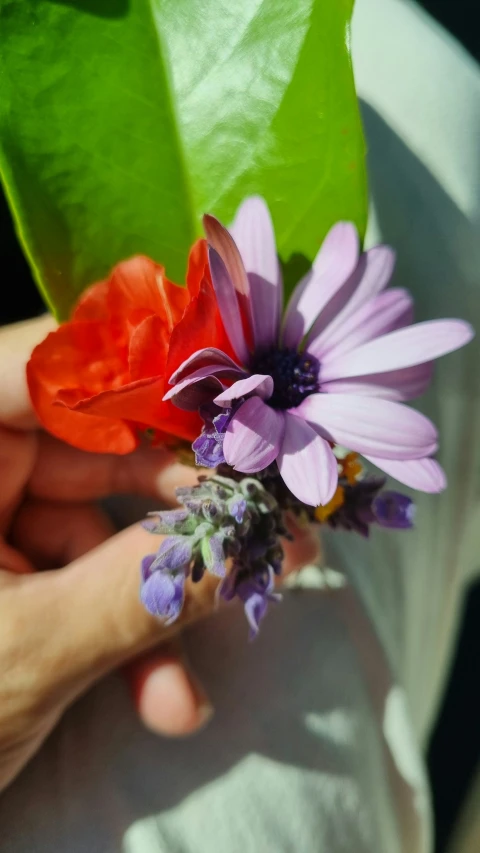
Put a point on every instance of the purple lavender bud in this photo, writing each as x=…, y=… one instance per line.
x=162, y=595
x=193, y=504
x=394, y=510
x=177, y=520
x=213, y=511
x=237, y=507
x=255, y=606
x=146, y=565
x=256, y=592
x=174, y=553
x=214, y=555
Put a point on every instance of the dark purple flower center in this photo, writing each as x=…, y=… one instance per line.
x=294, y=374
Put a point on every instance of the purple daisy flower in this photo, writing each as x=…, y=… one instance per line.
x=336, y=370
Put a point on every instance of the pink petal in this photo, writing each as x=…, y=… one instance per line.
x=203, y=358
x=228, y=304
x=199, y=387
x=370, y=425
x=426, y=475
x=385, y=312
x=259, y=383
x=397, y=385
x=373, y=273
x=333, y=265
x=253, y=233
x=253, y=436
x=379, y=264
x=403, y=348
x=306, y=463
x=333, y=307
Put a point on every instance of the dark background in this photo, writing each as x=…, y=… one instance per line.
x=455, y=745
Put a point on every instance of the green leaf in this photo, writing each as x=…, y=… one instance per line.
x=122, y=121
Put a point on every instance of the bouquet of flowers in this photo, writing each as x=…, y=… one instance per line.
x=277, y=393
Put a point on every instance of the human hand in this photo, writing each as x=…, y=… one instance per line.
x=61, y=630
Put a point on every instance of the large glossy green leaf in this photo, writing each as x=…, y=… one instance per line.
x=122, y=121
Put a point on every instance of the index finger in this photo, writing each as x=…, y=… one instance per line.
x=16, y=344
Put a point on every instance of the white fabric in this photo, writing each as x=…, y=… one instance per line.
x=317, y=738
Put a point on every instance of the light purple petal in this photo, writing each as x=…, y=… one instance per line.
x=162, y=595
x=199, y=387
x=385, y=312
x=371, y=276
x=377, y=272
x=175, y=552
x=253, y=233
x=253, y=436
x=228, y=304
x=259, y=383
x=403, y=348
x=266, y=309
x=333, y=307
x=397, y=385
x=371, y=425
x=209, y=356
x=255, y=607
x=306, y=463
x=426, y=475
x=333, y=265
x=146, y=565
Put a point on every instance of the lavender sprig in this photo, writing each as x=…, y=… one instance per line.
x=229, y=528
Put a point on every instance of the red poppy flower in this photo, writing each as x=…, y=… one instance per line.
x=98, y=381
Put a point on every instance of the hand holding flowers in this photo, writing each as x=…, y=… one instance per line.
x=63, y=628
x=281, y=400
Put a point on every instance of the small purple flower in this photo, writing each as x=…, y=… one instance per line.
x=174, y=553
x=237, y=507
x=168, y=520
x=208, y=447
x=213, y=552
x=256, y=592
x=336, y=370
x=394, y=510
x=163, y=577
x=233, y=532
x=365, y=504
x=162, y=594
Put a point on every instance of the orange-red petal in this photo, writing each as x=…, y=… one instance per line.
x=95, y=434
x=148, y=348
x=200, y=327
x=92, y=304
x=138, y=287
x=140, y=402
x=198, y=267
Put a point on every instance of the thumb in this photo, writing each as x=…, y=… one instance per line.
x=95, y=608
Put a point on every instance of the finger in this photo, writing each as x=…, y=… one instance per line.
x=52, y=534
x=12, y=560
x=167, y=696
x=98, y=619
x=17, y=459
x=16, y=344
x=63, y=473
x=95, y=609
